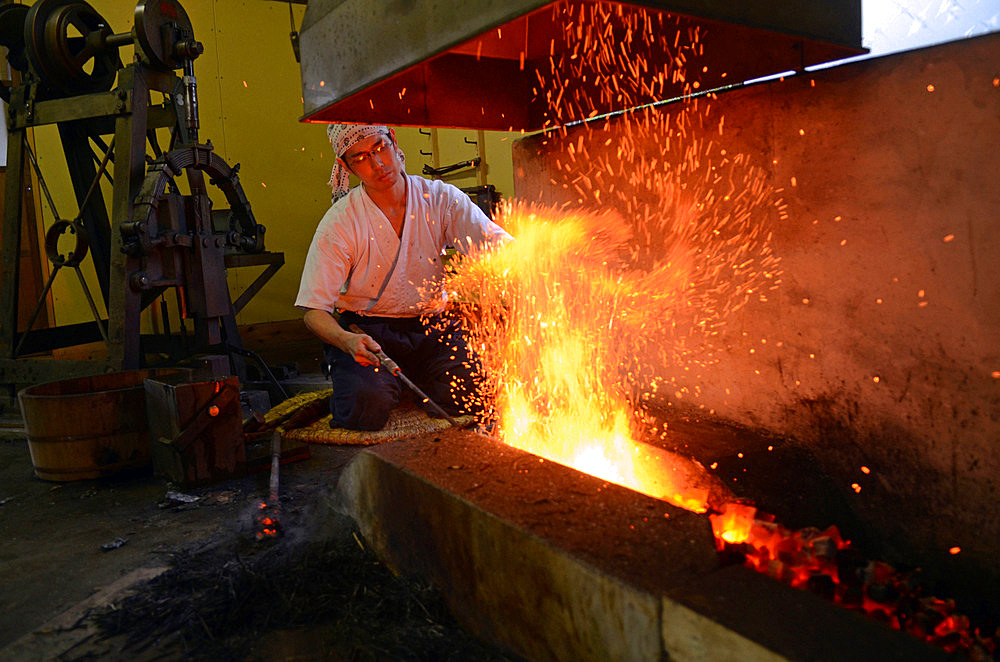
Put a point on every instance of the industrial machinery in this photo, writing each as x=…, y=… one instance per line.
x=160, y=240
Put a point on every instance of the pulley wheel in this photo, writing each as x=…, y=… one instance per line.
x=12, y=38
x=80, y=247
x=159, y=26
x=12, y=18
x=65, y=45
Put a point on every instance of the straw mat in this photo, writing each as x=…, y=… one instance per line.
x=305, y=417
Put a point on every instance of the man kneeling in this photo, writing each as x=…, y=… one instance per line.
x=374, y=262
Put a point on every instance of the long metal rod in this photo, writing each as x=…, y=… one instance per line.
x=41, y=180
x=90, y=300
x=393, y=368
x=242, y=351
x=34, y=313
x=275, y=463
x=97, y=178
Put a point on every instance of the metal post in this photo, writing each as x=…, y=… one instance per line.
x=125, y=304
x=11, y=239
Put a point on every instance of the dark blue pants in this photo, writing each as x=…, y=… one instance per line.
x=434, y=356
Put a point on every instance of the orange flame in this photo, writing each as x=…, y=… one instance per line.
x=734, y=523
x=550, y=313
x=591, y=309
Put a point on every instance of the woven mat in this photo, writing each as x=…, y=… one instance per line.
x=406, y=420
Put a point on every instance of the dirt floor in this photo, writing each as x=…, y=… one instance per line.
x=202, y=586
x=70, y=552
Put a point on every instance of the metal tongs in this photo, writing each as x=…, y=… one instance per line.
x=393, y=368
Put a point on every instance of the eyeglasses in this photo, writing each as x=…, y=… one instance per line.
x=360, y=158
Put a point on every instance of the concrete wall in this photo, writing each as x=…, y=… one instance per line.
x=881, y=346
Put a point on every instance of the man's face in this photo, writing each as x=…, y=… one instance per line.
x=374, y=161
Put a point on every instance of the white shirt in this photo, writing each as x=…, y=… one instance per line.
x=356, y=261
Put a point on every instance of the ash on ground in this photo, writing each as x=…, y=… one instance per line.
x=316, y=593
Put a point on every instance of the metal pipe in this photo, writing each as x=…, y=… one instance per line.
x=246, y=352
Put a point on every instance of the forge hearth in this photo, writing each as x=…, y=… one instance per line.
x=555, y=564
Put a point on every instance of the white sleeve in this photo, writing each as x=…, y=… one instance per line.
x=466, y=225
x=325, y=271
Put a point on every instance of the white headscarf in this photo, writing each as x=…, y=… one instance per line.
x=342, y=138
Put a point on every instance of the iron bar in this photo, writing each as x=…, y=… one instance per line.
x=101, y=170
x=38, y=309
x=41, y=180
x=90, y=301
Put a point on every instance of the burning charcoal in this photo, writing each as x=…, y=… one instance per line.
x=928, y=621
x=878, y=572
x=808, y=533
x=824, y=547
x=267, y=525
x=906, y=609
x=787, y=549
x=880, y=615
x=777, y=570
x=883, y=593
x=822, y=585
x=733, y=553
x=951, y=625
x=849, y=564
x=950, y=643
x=852, y=596
x=916, y=585
x=115, y=544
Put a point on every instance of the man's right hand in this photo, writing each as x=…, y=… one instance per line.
x=359, y=346
x=363, y=347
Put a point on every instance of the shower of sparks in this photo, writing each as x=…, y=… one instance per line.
x=619, y=295
x=556, y=318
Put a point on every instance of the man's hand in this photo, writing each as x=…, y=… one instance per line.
x=362, y=347
x=359, y=346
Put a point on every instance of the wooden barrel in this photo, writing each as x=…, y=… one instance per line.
x=88, y=427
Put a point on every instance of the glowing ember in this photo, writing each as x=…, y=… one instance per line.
x=825, y=564
x=266, y=523
x=733, y=523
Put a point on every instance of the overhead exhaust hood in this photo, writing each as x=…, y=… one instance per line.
x=455, y=63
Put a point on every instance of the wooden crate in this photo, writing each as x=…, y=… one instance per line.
x=196, y=430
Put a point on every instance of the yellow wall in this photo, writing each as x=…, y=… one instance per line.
x=250, y=103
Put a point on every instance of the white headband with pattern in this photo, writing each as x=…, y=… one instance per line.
x=342, y=138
